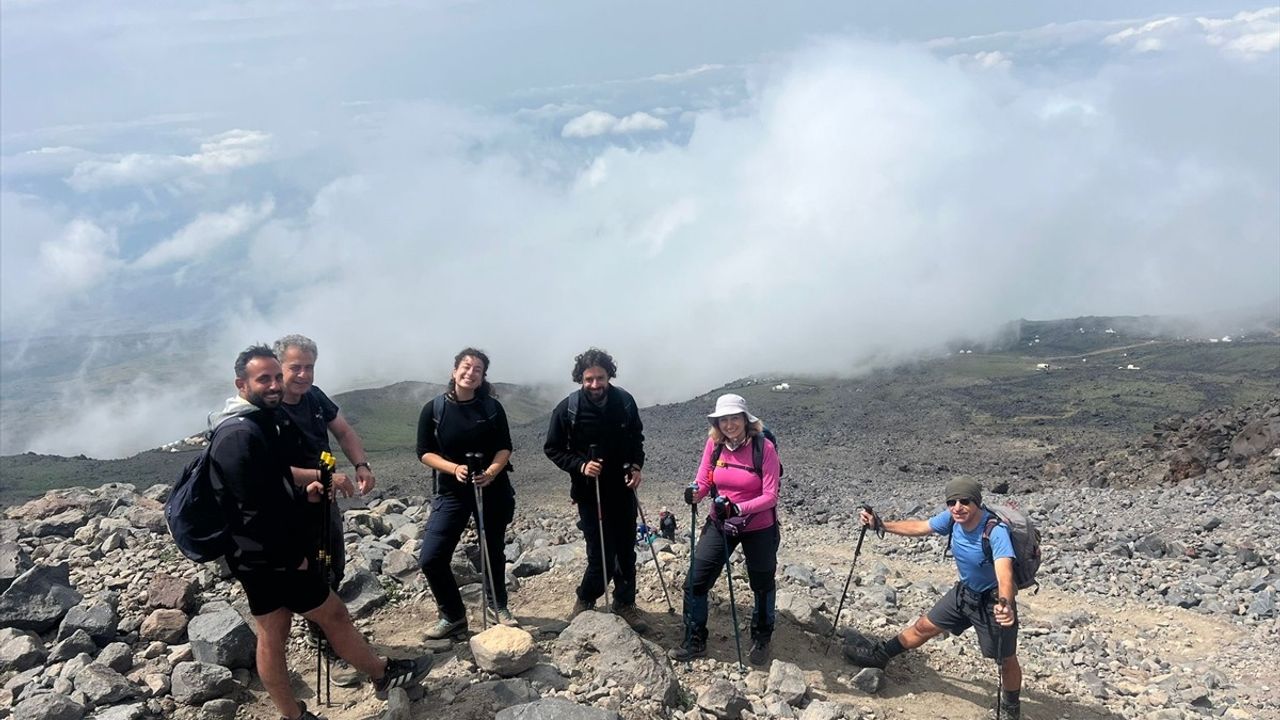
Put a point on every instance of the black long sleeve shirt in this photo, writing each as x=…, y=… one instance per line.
x=477, y=425
x=614, y=427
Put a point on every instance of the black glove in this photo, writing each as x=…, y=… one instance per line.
x=690, y=493
x=725, y=508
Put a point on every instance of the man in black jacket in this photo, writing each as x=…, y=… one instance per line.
x=249, y=472
x=605, y=417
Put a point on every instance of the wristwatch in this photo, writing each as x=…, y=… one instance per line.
x=363, y=465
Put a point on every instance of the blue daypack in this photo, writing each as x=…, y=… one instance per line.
x=195, y=515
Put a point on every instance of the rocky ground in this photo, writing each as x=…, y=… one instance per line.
x=1158, y=600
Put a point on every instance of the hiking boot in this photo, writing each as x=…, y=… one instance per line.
x=866, y=654
x=343, y=674
x=631, y=615
x=402, y=673
x=503, y=617
x=580, y=607
x=759, y=654
x=446, y=628
x=692, y=648
x=1008, y=710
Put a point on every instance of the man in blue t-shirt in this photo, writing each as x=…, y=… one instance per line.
x=982, y=599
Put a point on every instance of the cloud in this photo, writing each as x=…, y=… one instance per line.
x=1246, y=35
x=221, y=154
x=81, y=255
x=204, y=234
x=595, y=123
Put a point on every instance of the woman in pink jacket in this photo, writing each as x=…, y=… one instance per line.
x=739, y=471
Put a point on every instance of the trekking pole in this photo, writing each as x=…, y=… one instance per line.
x=671, y=609
x=999, y=659
x=328, y=464
x=728, y=567
x=835, y=623
x=593, y=453
x=693, y=534
x=486, y=581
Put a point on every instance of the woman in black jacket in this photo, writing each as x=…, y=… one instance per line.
x=467, y=419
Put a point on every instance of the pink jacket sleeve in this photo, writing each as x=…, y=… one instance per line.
x=769, y=484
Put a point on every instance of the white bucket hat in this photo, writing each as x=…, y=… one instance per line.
x=731, y=404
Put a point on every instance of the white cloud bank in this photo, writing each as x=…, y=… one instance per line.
x=596, y=122
x=218, y=155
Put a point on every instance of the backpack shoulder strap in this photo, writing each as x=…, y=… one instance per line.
x=574, y=400
x=437, y=412
x=991, y=523
x=757, y=453
x=951, y=530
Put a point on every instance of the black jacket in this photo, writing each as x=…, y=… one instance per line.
x=618, y=434
x=249, y=471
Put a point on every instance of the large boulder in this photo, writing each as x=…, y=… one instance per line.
x=22, y=653
x=503, y=650
x=787, y=681
x=167, y=591
x=1257, y=438
x=102, y=685
x=723, y=699
x=610, y=648
x=555, y=709
x=222, y=637
x=809, y=613
x=38, y=598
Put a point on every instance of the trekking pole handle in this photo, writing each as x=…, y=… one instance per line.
x=593, y=452
x=473, y=459
x=328, y=464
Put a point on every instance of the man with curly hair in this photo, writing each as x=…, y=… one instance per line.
x=597, y=438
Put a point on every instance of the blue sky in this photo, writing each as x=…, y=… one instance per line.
x=867, y=180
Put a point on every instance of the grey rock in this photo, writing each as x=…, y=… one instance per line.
x=503, y=693
x=97, y=618
x=48, y=706
x=399, y=564
x=555, y=709
x=786, y=680
x=801, y=574
x=104, y=686
x=722, y=699
x=222, y=638
x=1152, y=546
x=398, y=706
x=224, y=709
x=64, y=524
x=808, y=612
x=38, y=598
x=194, y=683
x=1264, y=604
x=532, y=562
x=362, y=593
x=13, y=562
x=118, y=656
x=545, y=675
x=79, y=642
x=772, y=706
x=608, y=647
x=22, y=653
x=869, y=680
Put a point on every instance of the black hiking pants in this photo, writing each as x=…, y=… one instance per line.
x=450, y=514
x=619, y=550
x=760, y=549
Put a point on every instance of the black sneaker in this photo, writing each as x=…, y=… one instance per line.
x=866, y=654
x=306, y=714
x=759, y=654
x=402, y=673
x=693, y=648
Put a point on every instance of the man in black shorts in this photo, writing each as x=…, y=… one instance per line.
x=249, y=473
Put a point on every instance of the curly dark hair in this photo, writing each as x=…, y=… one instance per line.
x=470, y=352
x=594, y=357
x=248, y=354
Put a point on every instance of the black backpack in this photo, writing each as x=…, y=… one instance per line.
x=576, y=398
x=757, y=452
x=195, y=515
x=437, y=412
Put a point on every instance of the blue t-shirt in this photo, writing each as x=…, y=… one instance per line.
x=966, y=545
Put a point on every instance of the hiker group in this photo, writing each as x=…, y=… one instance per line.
x=270, y=480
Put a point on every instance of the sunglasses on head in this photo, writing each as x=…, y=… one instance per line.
x=963, y=501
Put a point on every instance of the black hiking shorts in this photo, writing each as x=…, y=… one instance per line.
x=300, y=591
x=962, y=608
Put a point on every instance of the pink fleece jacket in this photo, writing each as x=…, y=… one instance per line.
x=734, y=478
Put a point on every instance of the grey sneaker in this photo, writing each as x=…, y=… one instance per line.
x=694, y=647
x=343, y=674
x=402, y=673
x=446, y=628
x=504, y=617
